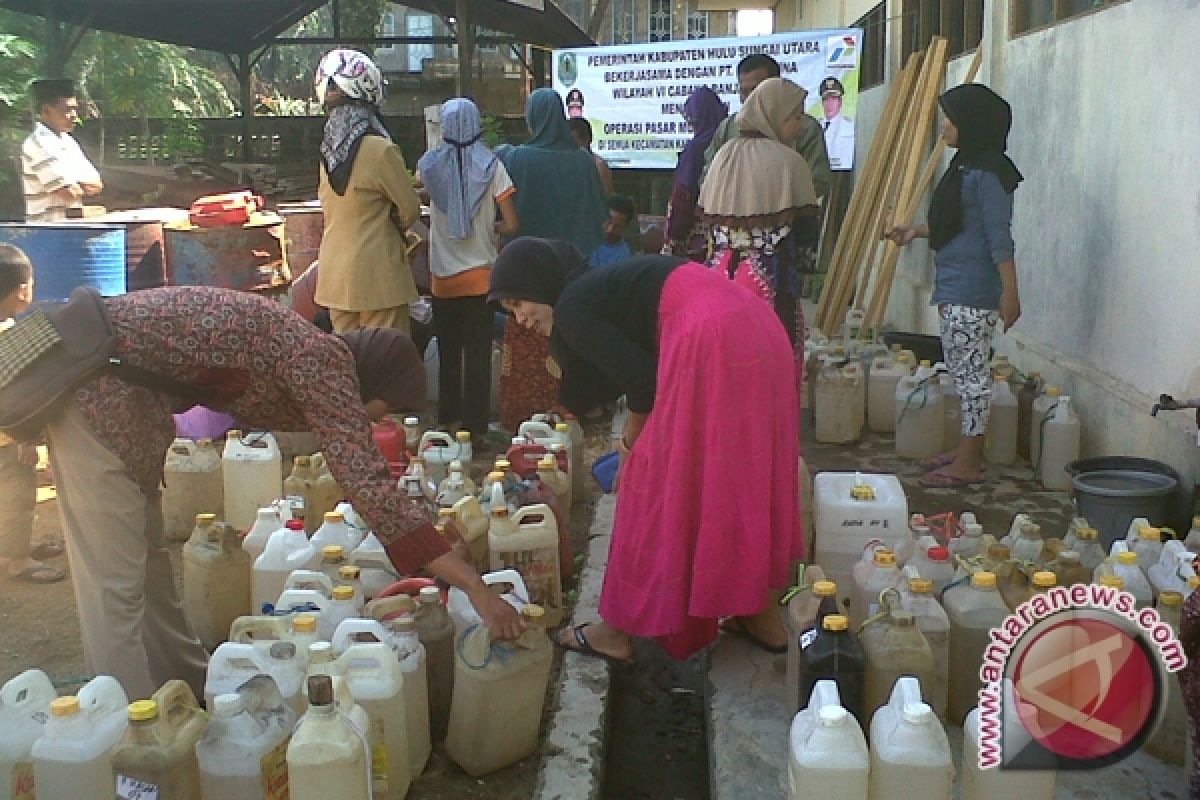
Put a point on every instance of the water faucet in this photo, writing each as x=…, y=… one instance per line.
x=1168, y=403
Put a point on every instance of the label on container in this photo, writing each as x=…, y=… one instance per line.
x=133, y=789
x=379, y=756
x=22, y=781
x=275, y=774
x=807, y=638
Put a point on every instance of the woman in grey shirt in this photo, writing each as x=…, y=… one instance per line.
x=970, y=231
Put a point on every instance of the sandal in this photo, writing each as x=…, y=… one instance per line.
x=47, y=550
x=38, y=573
x=583, y=646
x=939, y=479
x=938, y=461
x=735, y=627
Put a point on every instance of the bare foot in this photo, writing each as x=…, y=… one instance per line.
x=601, y=637
x=766, y=627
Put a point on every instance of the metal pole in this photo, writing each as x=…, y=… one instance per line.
x=243, y=76
x=466, y=47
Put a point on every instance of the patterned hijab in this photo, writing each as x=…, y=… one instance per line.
x=362, y=83
x=458, y=172
x=756, y=179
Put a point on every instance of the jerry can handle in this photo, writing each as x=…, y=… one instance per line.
x=176, y=703
x=539, y=511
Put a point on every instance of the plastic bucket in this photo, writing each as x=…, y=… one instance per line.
x=1179, y=515
x=1111, y=498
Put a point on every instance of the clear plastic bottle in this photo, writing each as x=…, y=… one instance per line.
x=1029, y=545
x=829, y=759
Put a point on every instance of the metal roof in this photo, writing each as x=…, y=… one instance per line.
x=241, y=26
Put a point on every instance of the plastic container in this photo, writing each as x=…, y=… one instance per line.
x=951, y=413
x=850, y=510
x=435, y=629
x=934, y=625
x=989, y=784
x=805, y=611
x=1127, y=569
x=438, y=449
x=1030, y=390
x=528, y=542
x=912, y=759
x=835, y=655
x=973, y=610
x=1148, y=544
x=1060, y=445
x=342, y=606
x=1091, y=552
x=299, y=629
x=302, y=483
x=558, y=481
x=310, y=579
x=1169, y=740
x=243, y=755
x=287, y=550
x=840, y=404
x=251, y=475
x=499, y=690
x=507, y=582
x=918, y=411
x=894, y=646
x=474, y=525
x=24, y=706
x=157, y=757
x=216, y=580
x=1000, y=442
x=377, y=570
x=73, y=757
x=376, y=681
x=192, y=485
x=883, y=574
x=234, y=663
x=327, y=756
x=306, y=601
x=1028, y=544
x=934, y=563
x=1042, y=406
x=390, y=439
x=886, y=372
x=1069, y=570
x=414, y=663
x=266, y=522
x=452, y=489
x=967, y=545
x=831, y=761
x=1175, y=566
x=334, y=531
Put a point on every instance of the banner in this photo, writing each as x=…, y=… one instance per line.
x=633, y=95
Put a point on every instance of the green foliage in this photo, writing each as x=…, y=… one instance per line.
x=127, y=77
x=493, y=134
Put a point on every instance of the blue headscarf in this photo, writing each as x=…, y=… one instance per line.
x=458, y=172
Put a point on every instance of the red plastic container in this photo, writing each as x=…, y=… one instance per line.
x=231, y=208
x=524, y=459
x=389, y=438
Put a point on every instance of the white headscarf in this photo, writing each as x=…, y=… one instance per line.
x=459, y=171
x=353, y=72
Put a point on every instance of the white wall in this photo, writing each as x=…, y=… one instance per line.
x=798, y=15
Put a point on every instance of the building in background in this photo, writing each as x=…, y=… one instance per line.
x=639, y=21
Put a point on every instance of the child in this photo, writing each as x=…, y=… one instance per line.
x=18, y=479
x=970, y=231
x=620, y=213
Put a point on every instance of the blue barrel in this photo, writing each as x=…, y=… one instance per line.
x=70, y=255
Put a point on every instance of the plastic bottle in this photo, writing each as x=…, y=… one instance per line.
x=158, y=754
x=894, y=646
x=301, y=483
x=1174, y=567
x=242, y=756
x=474, y=524
x=24, y=707
x=969, y=544
x=558, y=481
x=251, y=476
x=1127, y=569
x=1030, y=390
x=499, y=690
x=435, y=629
x=1000, y=444
x=335, y=531
x=839, y=404
x=884, y=574
x=836, y=655
x=191, y=485
x=1069, y=570
x=1069, y=538
x=832, y=761
x=452, y=489
x=989, y=784
x=905, y=546
x=414, y=662
x=1148, y=545
x=437, y=449
x=73, y=757
x=912, y=759
x=311, y=580
x=1091, y=552
x=288, y=549
x=1169, y=740
x=919, y=422
x=376, y=682
x=1041, y=407
x=934, y=563
x=528, y=542
x=886, y=372
x=342, y=607
x=216, y=580
x=327, y=756
x=377, y=570
x=805, y=612
x=1060, y=445
x=934, y=625
x=1029, y=545
x=973, y=610
x=266, y=522
x=234, y=663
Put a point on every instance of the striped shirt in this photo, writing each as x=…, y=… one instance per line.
x=51, y=161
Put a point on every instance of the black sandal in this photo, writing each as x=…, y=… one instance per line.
x=585, y=647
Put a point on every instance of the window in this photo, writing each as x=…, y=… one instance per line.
x=578, y=10
x=418, y=25
x=1029, y=14
x=960, y=21
x=697, y=24
x=660, y=20
x=387, y=27
x=622, y=22
x=874, y=44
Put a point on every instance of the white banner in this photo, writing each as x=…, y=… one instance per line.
x=633, y=95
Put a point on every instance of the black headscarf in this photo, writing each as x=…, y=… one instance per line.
x=535, y=269
x=983, y=119
x=388, y=366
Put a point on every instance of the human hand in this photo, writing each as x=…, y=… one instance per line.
x=901, y=234
x=27, y=455
x=1010, y=309
x=501, y=619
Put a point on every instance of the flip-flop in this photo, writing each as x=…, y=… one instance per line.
x=736, y=627
x=937, y=479
x=938, y=461
x=38, y=573
x=582, y=645
x=47, y=550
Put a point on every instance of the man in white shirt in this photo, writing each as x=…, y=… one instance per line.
x=839, y=129
x=55, y=172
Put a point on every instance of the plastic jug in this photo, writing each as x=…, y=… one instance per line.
x=435, y=629
x=327, y=756
x=287, y=550
x=1091, y=552
x=913, y=758
x=438, y=449
x=918, y=410
x=850, y=510
x=894, y=646
x=251, y=475
x=1000, y=442
x=266, y=522
x=414, y=663
x=157, y=757
x=528, y=542
x=1028, y=544
x=243, y=753
x=840, y=405
x=973, y=609
x=310, y=579
x=558, y=481
x=1148, y=544
x=988, y=784
x=234, y=663
x=24, y=707
x=452, y=489
x=1069, y=570
x=342, y=606
x=377, y=570
x=886, y=372
x=306, y=601
x=1169, y=740
x=333, y=558
x=376, y=681
x=951, y=413
x=884, y=574
x=73, y=757
x=507, y=582
x=806, y=609
x=1073, y=527
x=934, y=625
x=299, y=629
x=835, y=655
x=1030, y=390
x=474, y=525
x=1060, y=445
x=832, y=761
x=335, y=531
x=191, y=485
x=216, y=580
x=1041, y=407
x=934, y=563
x=1174, y=567
x=499, y=690
x=302, y=483
x=905, y=691
x=1127, y=569
x=967, y=545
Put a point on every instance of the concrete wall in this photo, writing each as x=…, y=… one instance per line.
x=1107, y=221
x=799, y=15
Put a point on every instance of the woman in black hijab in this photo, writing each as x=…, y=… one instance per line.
x=970, y=231
x=707, y=519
